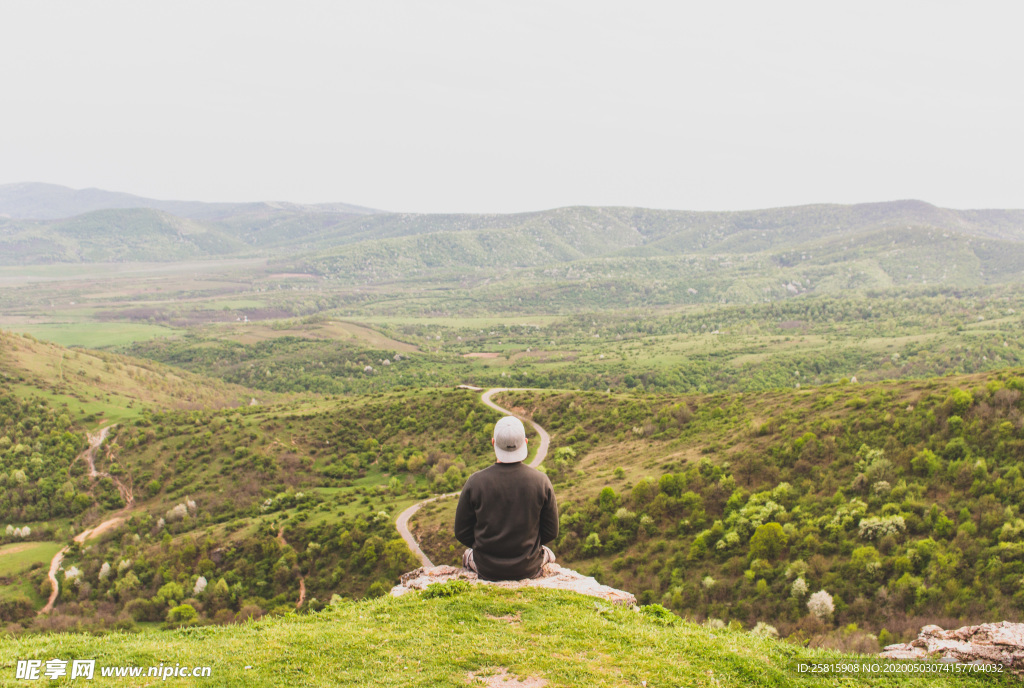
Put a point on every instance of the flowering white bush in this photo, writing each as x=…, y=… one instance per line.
x=760, y=508
x=799, y=588
x=731, y=539
x=821, y=605
x=9, y=530
x=124, y=565
x=200, y=585
x=179, y=512
x=876, y=528
x=160, y=523
x=765, y=629
x=104, y=570
x=73, y=574
x=798, y=568
x=844, y=517
x=881, y=488
x=708, y=582
x=624, y=517
x=647, y=524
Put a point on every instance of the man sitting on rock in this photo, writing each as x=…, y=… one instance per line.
x=507, y=512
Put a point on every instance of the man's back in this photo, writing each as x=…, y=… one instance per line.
x=506, y=513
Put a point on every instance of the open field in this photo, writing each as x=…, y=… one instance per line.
x=19, y=557
x=92, y=335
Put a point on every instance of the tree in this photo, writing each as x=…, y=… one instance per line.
x=768, y=541
x=182, y=614
x=592, y=545
x=171, y=592
x=821, y=605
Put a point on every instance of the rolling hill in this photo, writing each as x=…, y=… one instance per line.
x=37, y=201
x=896, y=242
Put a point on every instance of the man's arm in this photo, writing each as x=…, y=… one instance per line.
x=549, y=518
x=465, y=518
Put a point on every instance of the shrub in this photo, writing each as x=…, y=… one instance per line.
x=447, y=589
x=182, y=614
x=768, y=541
x=821, y=605
x=379, y=589
x=659, y=614
x=876, y=528
x=926, y=463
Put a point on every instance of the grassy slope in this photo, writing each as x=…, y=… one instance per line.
x=567, y=639
x=17, y=557
x=107, y=385
x=17, y=560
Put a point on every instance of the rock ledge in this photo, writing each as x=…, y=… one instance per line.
x=554, y=577
x=999, y=643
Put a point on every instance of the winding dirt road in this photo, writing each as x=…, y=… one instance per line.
x=302, y=579
x=89, y=456
x=402, y=523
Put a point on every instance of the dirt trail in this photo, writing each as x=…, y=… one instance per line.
x=302, y=579
x=89, y=456
x=402, y=523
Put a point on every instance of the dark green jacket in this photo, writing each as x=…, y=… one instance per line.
x=505, y=513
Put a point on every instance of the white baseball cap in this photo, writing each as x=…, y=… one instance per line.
x=509, y=440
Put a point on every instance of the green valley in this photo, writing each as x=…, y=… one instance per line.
x=747, y=409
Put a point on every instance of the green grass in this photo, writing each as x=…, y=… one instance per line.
x=19, y=556
x=21, y=589
x=561, y=637
x=95, y=335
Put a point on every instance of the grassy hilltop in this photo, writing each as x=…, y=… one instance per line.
x=554, y=638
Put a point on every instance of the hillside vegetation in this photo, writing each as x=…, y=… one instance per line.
x=756, y=347
x=904, y=242
x=249, y=501
x=900, y=500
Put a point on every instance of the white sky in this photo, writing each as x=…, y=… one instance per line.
x=484, y=106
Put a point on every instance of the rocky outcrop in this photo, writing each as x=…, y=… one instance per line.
x=1000, y=643
x=554, y=576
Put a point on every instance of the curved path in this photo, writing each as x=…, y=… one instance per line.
x=89, y=456
x=403, y=518
x=302, y=579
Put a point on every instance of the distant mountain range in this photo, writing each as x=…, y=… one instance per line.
x=43, y=223
x=37, y=201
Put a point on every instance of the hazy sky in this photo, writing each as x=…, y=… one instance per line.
x=502, y=106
